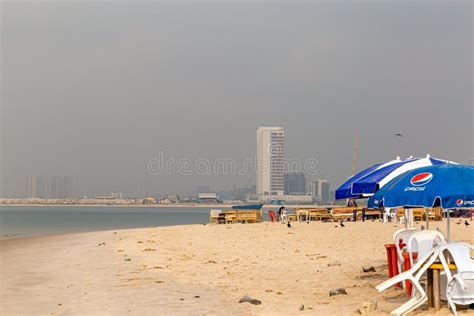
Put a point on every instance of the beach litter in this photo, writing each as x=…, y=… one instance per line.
x=248, y=299
x=301, y=307
x=369, y=269
x=367, y=308
x=127, y=259
x=337, y=292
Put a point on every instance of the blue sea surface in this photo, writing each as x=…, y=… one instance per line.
x=17, y=221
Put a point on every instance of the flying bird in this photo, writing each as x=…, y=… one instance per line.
x=398, y=135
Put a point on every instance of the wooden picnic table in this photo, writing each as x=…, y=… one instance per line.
x=310, y=213
x=433, y=287
x=302, y=213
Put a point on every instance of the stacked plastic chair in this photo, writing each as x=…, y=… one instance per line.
x=460, y=286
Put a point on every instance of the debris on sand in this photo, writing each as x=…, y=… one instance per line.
x=367, y=308
x=149, y=249
x=368, y=269
x=338, y=292
x=127, y=259
x=301, y=307
x=248, y=299
x=334, y=264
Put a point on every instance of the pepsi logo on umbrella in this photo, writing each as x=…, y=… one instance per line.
x=467, y=203
x=421, y=179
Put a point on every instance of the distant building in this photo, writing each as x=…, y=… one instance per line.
x=33, y=187
x=116, y=195
x=286, y=199
x=203, y=189
x=295, y=183
x=49, y=187
x=319, y=190
x=207, y=195
x=60, y=187
x=236, y=193
x=270, y=154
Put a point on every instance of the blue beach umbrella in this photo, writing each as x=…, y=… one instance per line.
x=448, y=186
x=368, y=181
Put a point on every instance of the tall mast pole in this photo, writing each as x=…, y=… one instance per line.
x=356, y=152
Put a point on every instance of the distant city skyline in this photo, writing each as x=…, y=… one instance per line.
x=49, y=187
x=98, y=101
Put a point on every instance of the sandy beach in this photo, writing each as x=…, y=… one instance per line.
x=203, y=270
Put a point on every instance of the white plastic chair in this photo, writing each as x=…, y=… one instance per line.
x=419, y=295
x=402, y=234
x=460, y=286
x=423, y=241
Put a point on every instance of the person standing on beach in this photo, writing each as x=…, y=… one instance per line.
x=282, y=215
x=351, y=203
x=279, y=213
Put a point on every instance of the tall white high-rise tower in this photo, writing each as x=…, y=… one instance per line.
x=270, y=153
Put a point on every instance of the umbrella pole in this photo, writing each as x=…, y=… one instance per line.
x=405, y=211
x=449, y=226
x=427, y=219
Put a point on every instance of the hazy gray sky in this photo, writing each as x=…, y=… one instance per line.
x=96, y=89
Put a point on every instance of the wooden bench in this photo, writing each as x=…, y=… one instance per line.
x=341, y=213
x=312, y=214
x=400, y=213
x=246, y=216
x=230, y=216
x=434, y=214
x=319, y=214
x=418, y=214
x=372, y=213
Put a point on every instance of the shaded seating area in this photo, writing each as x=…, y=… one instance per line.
x=420, y=214
x=309, y=214
x=345, y=213
x=238, y=214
